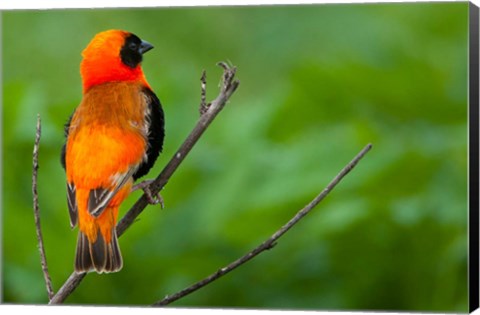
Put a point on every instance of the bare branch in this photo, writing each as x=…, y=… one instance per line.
x=67, y=288
x=228, y=87
x=36, y=210
x=270, y=242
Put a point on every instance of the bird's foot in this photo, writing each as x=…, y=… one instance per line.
x=152, y=199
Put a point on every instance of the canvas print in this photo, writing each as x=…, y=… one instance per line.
x=300, y=157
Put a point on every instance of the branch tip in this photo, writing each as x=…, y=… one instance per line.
x=203, y=96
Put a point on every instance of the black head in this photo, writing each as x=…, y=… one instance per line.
x=133, y=50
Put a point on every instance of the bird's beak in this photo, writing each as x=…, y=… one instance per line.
x=144, y=47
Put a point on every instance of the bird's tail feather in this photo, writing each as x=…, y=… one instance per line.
x=99, y=255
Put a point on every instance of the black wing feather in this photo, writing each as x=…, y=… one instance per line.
x=64, y=147
x=72, y=204
x=156, y=133
x=99, y=198
x=72, y=201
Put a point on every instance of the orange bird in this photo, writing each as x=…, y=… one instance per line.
x=113, y=138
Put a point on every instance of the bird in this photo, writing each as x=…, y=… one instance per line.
x=113, y=138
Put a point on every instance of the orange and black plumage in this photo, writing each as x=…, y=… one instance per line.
x=113, y=138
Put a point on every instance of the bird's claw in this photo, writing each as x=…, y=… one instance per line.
x=152, y=199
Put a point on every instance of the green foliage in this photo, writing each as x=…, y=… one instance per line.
x=317, y=84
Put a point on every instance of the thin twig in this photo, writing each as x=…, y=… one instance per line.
x=36, y=210
x=227, y=89
x=270, y=242
x=203, y=95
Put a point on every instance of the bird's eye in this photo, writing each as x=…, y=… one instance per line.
x=133, y=46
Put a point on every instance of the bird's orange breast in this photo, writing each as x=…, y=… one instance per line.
x=107, y=134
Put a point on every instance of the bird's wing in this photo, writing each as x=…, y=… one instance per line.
x=99, y=198
x=155, y=132
x=72, y=201
x=72, y=204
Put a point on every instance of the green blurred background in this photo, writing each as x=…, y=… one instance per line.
x=318, y=83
